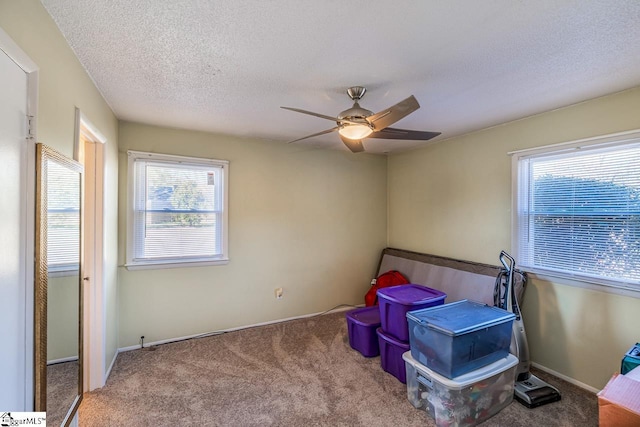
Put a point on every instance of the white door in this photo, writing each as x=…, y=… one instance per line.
x=14, y=242
x=95, y=334
x=89, y=151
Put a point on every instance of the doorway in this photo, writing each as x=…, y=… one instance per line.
x=89, y=150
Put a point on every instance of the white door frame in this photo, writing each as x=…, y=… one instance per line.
x=88, y=140
x=12, y=50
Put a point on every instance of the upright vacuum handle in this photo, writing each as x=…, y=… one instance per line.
x=503, y=259
x=510, y=304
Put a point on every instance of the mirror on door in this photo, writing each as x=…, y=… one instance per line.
x=58, y=292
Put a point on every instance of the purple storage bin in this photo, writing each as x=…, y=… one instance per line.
x=362, y=324
x=391, y=351
x=396, y=301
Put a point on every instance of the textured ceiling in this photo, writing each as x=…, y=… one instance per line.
x=227, y=66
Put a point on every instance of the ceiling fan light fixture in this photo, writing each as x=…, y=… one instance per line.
x=357, y=123
x=355, y=131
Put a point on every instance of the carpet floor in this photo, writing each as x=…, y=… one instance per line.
x=297, y=373
x=62, y=390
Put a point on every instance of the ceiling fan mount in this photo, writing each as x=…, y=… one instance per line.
x=355, y=113
x=357, y=123
x=356, y=92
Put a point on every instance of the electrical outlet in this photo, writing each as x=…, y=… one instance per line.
x=279, y=293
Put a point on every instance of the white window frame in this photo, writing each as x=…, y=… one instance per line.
x=131, y=263
x=600, y=284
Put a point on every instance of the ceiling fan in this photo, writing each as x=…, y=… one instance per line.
x=357, y=123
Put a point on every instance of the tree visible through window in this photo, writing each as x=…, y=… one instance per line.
x=178, y=209
x=579, y=212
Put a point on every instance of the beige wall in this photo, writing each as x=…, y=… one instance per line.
x=453, y=198
x=63, y=86
x=62, y=315
x=310, y=221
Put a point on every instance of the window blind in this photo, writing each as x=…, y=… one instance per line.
x=578, y=212
x=63, y=219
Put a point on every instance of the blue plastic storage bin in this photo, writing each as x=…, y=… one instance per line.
x=457, y=338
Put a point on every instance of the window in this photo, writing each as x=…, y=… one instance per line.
x=577, y=210
x=177, y=211
x=63, y=220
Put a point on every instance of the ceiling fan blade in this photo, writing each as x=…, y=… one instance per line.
x=315, y=134
x=394, y=133
x=311, y=113
x=394, y=113
x=353, y=144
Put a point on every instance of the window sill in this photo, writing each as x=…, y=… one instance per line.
x=615, y=288
x=173, y=264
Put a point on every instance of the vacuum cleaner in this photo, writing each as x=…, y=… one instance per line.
x=530, y=390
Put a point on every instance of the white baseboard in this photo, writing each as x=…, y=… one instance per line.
x=62, y=360
x=113, y=362
x=205, y=334
x=566, y=378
